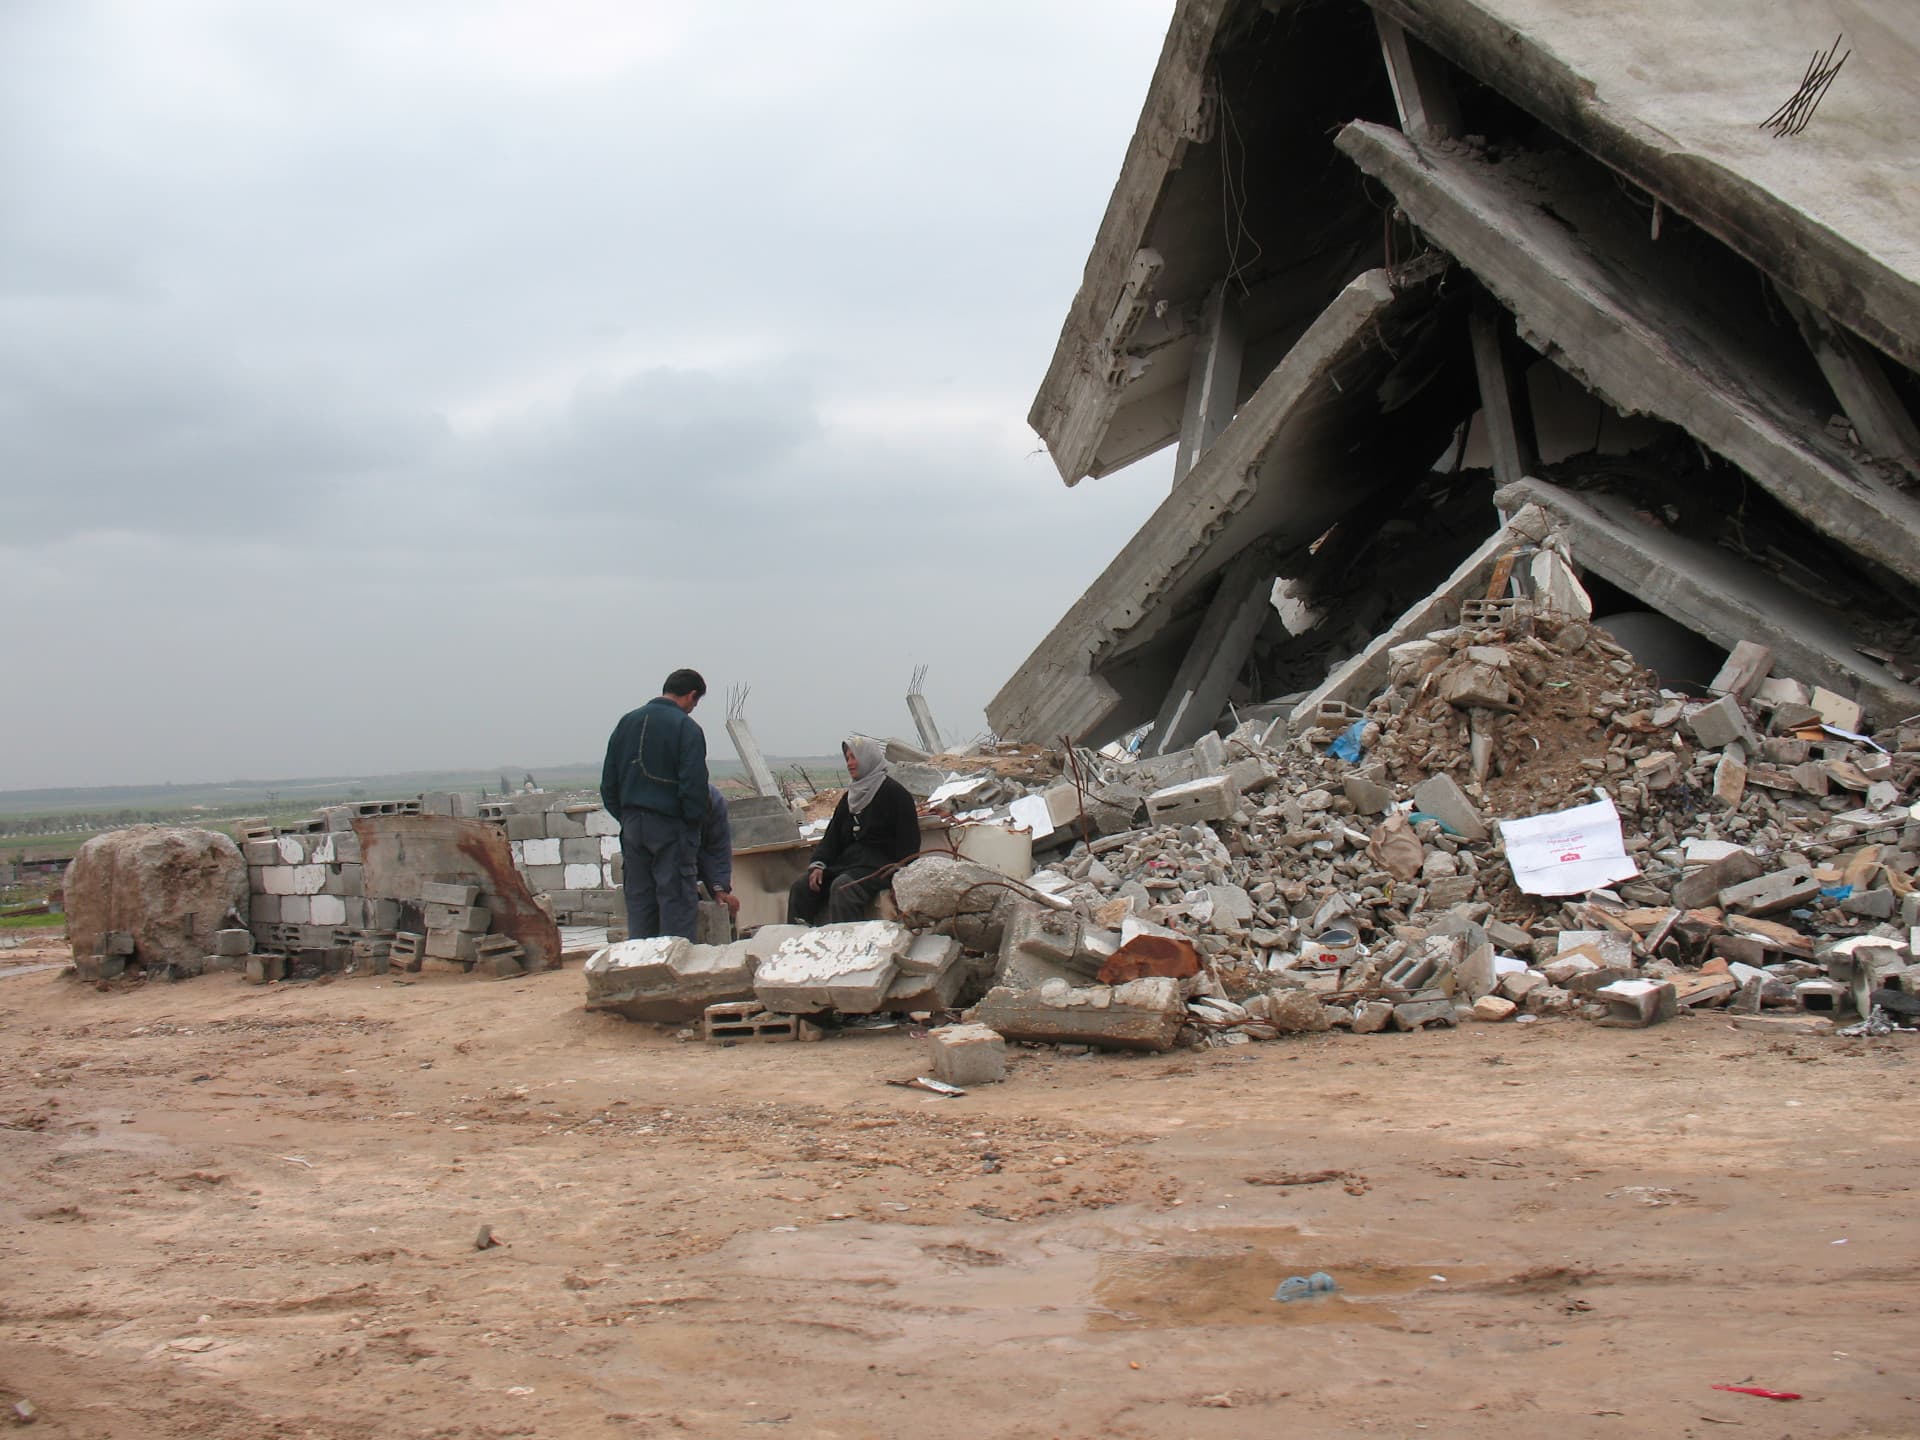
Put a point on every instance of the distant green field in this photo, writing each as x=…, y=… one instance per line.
x=65, y=818
x=31, y=922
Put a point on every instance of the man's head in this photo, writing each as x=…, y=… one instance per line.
x=684, y=688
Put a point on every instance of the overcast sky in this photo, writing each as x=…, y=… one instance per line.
x=413, y=384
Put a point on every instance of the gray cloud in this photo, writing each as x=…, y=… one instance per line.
x=434, y=376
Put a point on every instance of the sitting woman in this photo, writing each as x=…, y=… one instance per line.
x=874, y=827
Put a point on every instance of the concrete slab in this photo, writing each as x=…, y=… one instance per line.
x=848, y=968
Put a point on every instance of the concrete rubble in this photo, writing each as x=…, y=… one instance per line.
x=1352, y=875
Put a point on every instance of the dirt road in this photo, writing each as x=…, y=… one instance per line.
x=242, y=1212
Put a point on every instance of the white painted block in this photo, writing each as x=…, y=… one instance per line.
x=309, y=879
x=599, y=822
x=609, y=845
x=542, y=852
x=323, y=854
x=293, y=850
x=518, y=850
x=327, y=910
x=277, y=879
x=613, y=884
x=582, y=877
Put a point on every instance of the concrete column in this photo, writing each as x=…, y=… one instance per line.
x=923, y=722
x=748, y=749
x=1853, y=371
x=1422, y=92
x=1213, y=381
x=1217, y=655
x=1503, y=396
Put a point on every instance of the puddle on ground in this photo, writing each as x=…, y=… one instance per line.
x=1227, y=1277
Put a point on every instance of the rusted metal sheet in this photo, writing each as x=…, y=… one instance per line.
x=401, y=853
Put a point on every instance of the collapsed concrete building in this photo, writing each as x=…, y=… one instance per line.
x=1385, y=273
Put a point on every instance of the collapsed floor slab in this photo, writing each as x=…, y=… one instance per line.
x=1633, y=336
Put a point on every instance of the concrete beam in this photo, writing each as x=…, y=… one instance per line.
x=1718, y=595
x=748, y=749
x=1213, y=379
x=1643, y=352
x=1218, y=653
x=1213, y=510
x=1860, y=384
x=1360, y=678
x=1504, y=406
x=1422, y=90
x=923, y=722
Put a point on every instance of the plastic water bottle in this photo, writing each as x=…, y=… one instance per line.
x=1302, y=1287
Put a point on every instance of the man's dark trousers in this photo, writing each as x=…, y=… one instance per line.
x=657, y=854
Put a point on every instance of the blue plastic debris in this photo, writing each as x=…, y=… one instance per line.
x=1303, y=1287
x=1347, y=746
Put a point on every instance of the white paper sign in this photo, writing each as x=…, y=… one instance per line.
x=1568, y=852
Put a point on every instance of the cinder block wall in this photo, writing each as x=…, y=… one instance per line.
x=567, y=850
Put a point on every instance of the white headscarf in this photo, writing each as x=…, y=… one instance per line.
x=872, y=760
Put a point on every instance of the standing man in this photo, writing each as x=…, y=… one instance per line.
x=654, y=783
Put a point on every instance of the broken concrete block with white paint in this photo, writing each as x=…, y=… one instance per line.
x=543, y=852
x=847, y=967
x=1835, y=709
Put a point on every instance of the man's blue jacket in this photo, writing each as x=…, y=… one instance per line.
x=656, y=760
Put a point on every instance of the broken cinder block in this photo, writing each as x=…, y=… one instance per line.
x=967, y=1055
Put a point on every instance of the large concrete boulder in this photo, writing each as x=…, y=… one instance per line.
x=169, y=888
x=960, y=897
x=669, y=981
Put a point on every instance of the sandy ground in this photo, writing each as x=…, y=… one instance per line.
x=242, y=1212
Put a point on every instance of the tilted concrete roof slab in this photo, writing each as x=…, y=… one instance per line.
x=1642, y=349
x=1280, y=474
x=1671, y=94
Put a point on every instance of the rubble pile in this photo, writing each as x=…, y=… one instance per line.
x=1357, y=875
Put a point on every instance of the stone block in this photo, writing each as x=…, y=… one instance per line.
x=967, y=1055
x=582, y=851
x=1704, y=884
x=452, y=945
x=1659, y=770
x=1469, y=685
x=264, y=910
x=938, y=887
x=546, y=877
x=261, y=852
x=1493, y=1008
x=1746, y=668
x=609, y=847
x=930, y=955
x=293, y=849
x=1516, y=985
x=265, y=969
x=583, y=877
x=1635, y=1004
x=526, y=827
x=296, y=909
x=1611, y=948
x=848, y=968
x=1563, y=968
x=1372, y=1017
x=344, y=880
x=276, y=880
x=1474, y=977
x=439, y=892
x=1424, y=1010
x=1729, y=781
x=1768, y=894
x=1836, y=710
x=1140, y=1015
x=326, y=910
x=1369, y=797
x=1441, y=797
x=472, y=918
x=600, y=823
x=1869, y=904
x=1210, y=798
x=1721, y=723
x=562, y=826
x=542, y=852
